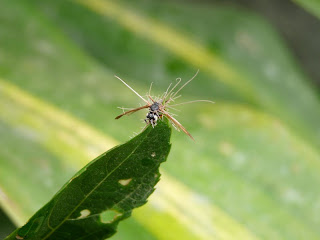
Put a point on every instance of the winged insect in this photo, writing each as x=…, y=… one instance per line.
x=158, y=107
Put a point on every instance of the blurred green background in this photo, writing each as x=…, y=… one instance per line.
x=253, y=172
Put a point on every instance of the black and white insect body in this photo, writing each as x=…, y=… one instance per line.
x=159, y=107
x=154, y=114
x=152, y=118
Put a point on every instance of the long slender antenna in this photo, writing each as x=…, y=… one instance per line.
x=191, y=102
x=167, y=89
x=168, y=94
x=173, y=99
x=132, y=89
x=172, y=109
x=150, y=88
x=185, y=84
x=164, y=95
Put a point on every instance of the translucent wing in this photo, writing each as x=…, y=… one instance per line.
x=132, y=111
x=176, y=123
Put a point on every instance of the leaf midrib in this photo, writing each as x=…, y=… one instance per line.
x=104, y=179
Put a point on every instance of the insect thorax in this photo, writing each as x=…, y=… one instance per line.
x=154, y=107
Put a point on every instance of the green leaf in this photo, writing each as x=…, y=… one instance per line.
x=255, y=164
x=313, y=6
x=6, y=226
x=104, y=192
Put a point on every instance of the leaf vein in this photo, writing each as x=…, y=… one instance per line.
x=66, y=218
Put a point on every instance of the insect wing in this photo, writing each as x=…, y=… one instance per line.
x=176, y=123
x=132, y=111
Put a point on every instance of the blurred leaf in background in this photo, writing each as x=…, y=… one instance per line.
x=313, y=6
x=298, y=27
x=6, y=226
x=254, y=169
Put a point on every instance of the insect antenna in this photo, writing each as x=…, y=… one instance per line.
x=170, y=107
x=132, y=89
x=165, y=93
x=191, y=102
x=172, y=99
x=168, y=94
x=185, y=84
x=163, y=96
x=149, y=94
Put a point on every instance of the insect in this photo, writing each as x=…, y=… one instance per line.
x=158, y=107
